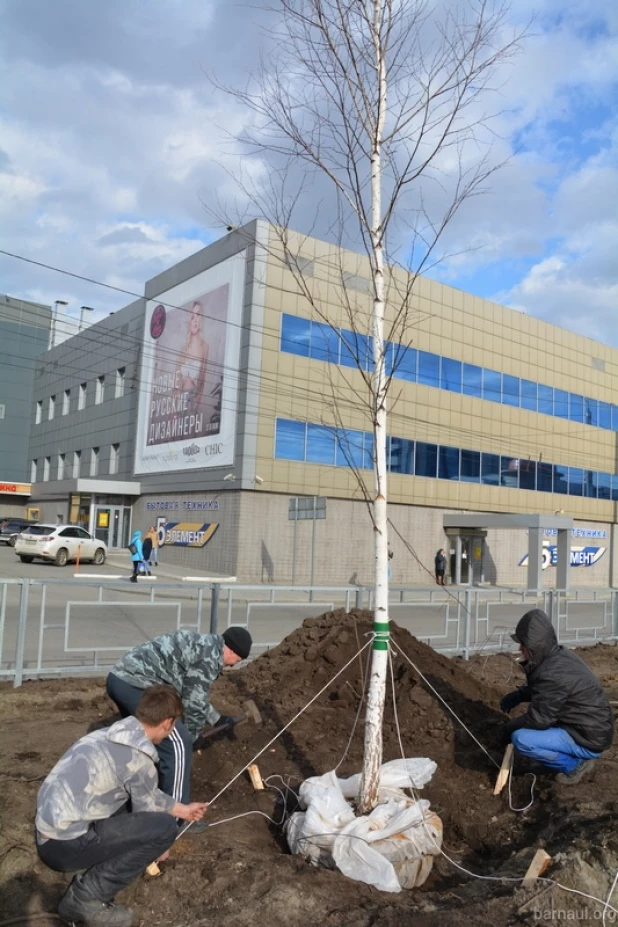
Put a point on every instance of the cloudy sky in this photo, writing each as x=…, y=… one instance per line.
x=112, y=140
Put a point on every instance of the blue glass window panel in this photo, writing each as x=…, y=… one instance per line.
x=589, y=484
x=290, y=439
x=295, y=335
x=401, y=456
x=321, y=443
x=428, y=368
x=426, y=459
x=470, y=466
x=546, y=399
x=509, y=472
x=591, y=411
x=356, y=350
x=472, y=380
x=604, y=485
x=324, y=343
x=368, y=451
x=561, y=479
x=451, y=372
x=576, y=479
x=561, y=403
x=404, y=363
x=448, y=463
x=349, y=450
x=614, y=487
x=490, y=469
x=529, y=398
x=492, y=385
x=544, y=477
x=527, y=474
x=510, y=390
x=605, y=415
x=576, y=407
x=614, y=418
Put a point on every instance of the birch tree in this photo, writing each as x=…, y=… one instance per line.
x=388, y=105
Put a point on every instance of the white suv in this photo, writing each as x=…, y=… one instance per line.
x=60, y=543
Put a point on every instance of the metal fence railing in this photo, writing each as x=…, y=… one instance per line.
x=68, y=627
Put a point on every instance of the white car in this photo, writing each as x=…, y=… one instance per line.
x=60, y=543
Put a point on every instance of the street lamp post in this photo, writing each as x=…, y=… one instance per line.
x=81, y=315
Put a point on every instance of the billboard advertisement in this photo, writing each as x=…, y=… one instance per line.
x=189, y=373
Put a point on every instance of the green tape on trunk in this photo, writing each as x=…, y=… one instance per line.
x=381, y=629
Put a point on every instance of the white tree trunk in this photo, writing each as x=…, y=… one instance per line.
x=379, y=663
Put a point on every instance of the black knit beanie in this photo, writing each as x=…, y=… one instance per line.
x=239, y=640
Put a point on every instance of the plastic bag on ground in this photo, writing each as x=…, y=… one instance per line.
x=392, y=847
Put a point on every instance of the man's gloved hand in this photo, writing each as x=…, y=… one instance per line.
x=510, y=701
x=227, y=720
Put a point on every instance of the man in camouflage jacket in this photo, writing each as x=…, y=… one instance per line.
x=100, y=810
x=190, y=663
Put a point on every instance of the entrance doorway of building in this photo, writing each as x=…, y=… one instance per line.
x=112, y=525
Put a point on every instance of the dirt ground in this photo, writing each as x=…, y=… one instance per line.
x=240, y=872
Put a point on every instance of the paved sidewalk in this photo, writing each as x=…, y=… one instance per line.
x=169, y=571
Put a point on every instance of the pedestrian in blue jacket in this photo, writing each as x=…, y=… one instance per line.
x=138, y=556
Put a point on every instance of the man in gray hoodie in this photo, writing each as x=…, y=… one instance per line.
x=83, y=819
x=190, y=663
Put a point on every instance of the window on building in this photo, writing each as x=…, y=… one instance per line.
x=295, y=335
x=400, y=455
x=120, y=377
x=492, y=385
x=320, y=444
x=426, y=459
x=81, y=402
x=472, y=380
x=561, y=403
x=428, y=368
x=114, y=455
x=33, y=469
x=99, y=392
x=290, y=439
x=324, y=343
x=61, y=462
x=510, y=390
x=470, y=466
x=51, y=409
x=46, y=468
x=529, y=399
x=448, y=463
x=39, y=412
x=94, y=461
x=349, y=451
x=77, y=464
x=451, y=375
x=66, y=402
x=490, y=469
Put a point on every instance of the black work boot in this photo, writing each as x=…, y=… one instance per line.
x=78, y=907
x=577, y=774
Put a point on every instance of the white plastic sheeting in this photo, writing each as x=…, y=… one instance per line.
x=392, y=847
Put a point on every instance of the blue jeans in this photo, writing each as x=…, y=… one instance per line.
x=553, y=748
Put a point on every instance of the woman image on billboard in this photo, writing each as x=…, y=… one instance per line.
x=193, y=361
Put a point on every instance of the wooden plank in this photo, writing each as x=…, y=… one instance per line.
x=503, y=775
x=539, y=864
x=256, y=779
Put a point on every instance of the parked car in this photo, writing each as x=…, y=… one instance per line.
x=10, y=528
x=60, y=543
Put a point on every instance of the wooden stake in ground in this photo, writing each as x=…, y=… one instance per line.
x=256, y=778
x=540, y=862
x=153, y=870
x=503, y=775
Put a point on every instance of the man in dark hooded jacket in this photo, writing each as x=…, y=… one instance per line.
x=569, y=721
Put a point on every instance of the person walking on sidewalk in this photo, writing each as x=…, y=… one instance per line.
x=153, y=534
x=83, y=820
x=190, y=663
x=137, y=554
x=147, y=552
x=440, y=566
x=569, y=721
